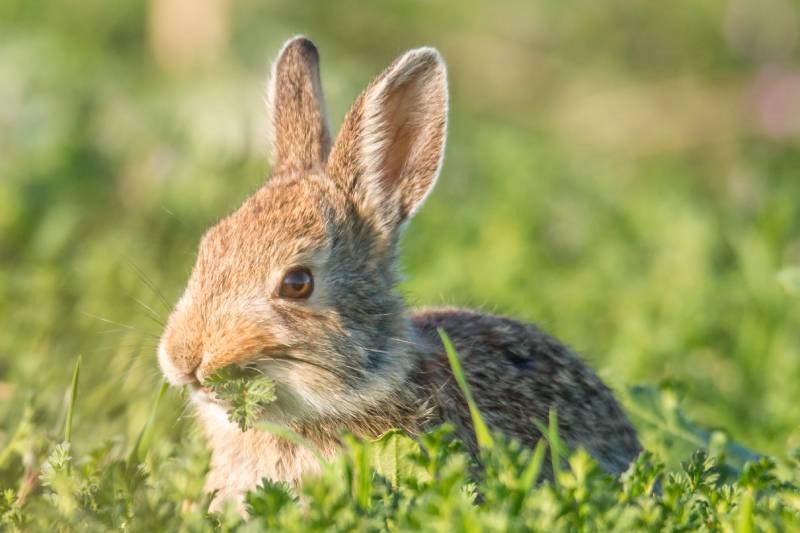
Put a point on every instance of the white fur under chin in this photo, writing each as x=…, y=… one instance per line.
x=241, y=460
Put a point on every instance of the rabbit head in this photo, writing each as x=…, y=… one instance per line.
x=298, y=282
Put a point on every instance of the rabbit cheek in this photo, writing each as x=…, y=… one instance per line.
x=237, y=341
x=313, y=393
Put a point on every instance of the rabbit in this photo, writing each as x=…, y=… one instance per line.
x=299, y=283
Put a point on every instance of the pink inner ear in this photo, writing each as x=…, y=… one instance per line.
x=390, y=146
x=413, y=115
x=402, y=134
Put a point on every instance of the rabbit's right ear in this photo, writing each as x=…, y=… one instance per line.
x=389, y=151
x=299, y=136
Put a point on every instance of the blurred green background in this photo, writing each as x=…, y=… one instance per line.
x=625, y=173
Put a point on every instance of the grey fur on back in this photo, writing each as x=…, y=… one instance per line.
x=517, y=374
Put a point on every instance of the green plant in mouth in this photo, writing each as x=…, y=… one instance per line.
x=245, y=391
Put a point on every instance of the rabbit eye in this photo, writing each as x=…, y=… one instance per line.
x=297, y=284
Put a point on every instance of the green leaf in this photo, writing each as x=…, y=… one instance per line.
x=267, y=500
x=482, y=433
x=57, y=477
x=391, y=454
x=246, y=391
x=658, y=411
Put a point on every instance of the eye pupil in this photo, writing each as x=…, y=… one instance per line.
x=297, y=284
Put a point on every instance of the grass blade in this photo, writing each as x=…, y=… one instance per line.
x=481, y=429
x=528, y=478
x=362, y=475
x=555, y=444
x=744, y=520
x=551, y=434
x=145, y=437
x=73, y=394
x=531, y=472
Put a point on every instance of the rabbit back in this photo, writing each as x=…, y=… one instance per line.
x=517, y=373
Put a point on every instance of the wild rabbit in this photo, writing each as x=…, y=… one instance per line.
x=299, y=282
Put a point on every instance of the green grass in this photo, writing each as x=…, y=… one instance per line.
x=613, y=173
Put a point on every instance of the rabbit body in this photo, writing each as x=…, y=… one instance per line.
x=299, y=283
x=516, y=372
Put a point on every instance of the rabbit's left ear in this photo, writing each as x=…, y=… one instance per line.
x=299, y=136
x=389, y=151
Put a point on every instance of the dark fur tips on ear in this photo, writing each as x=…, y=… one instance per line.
x=300, y=139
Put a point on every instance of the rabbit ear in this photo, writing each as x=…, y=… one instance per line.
x=300, y=139
x=389, y=151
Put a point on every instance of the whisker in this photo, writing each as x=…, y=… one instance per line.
x=120, y=327
x=109, y=331
x=157, y=322
x=375, y=350
x=406, y=341
x=297, y=360
x=118, y=347
x=146, y=280
x=153, y=315
x=187, y=404
x=108, y=321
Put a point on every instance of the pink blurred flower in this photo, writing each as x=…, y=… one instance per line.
x=775, y=99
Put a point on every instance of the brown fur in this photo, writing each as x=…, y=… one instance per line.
x=352, y=357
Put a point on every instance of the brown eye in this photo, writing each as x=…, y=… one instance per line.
x=297, y=284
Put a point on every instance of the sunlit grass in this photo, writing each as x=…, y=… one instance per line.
x=629, y=191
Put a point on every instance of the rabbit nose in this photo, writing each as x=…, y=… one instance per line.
x=177, y=371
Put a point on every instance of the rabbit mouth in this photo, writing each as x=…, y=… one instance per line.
x=200, y=388
x=200, y=392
